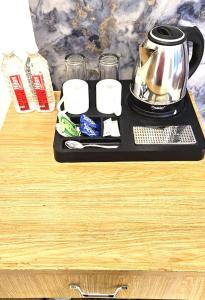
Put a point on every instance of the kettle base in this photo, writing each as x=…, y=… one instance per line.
x=158, y=111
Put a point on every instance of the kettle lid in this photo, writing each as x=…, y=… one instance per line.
x=167, y=35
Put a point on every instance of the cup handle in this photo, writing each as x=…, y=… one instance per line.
x=117, y=108
x=59, y=104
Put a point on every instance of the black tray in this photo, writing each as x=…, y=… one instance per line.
x=127, y=150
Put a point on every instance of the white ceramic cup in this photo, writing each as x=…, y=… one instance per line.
x=108, y=96
x=75, y=97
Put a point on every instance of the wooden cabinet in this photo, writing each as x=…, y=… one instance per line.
x=96, y=225
x=145, y=285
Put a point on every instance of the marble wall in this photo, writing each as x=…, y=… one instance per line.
x=96, y=26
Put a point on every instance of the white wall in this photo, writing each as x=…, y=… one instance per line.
x=16, y=33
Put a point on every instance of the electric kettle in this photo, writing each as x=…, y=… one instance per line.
x=163, y=65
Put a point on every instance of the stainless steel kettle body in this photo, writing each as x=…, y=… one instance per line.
x=163, y=66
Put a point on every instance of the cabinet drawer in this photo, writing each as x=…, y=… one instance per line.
x=140, y=284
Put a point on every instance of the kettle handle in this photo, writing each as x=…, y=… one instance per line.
x=194, y=35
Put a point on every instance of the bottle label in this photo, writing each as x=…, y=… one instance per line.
x=40, y=91
x=19, y=92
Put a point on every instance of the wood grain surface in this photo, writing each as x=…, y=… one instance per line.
x=95, y=216
x=140, y=284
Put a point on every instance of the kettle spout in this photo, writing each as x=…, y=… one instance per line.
x=145, y=54
x=142, y=69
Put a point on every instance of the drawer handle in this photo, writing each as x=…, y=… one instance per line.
x=93, y=295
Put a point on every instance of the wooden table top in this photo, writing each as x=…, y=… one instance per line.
x=95, y=216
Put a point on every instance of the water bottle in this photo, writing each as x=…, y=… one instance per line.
x=16, y=78
x=38, y=73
